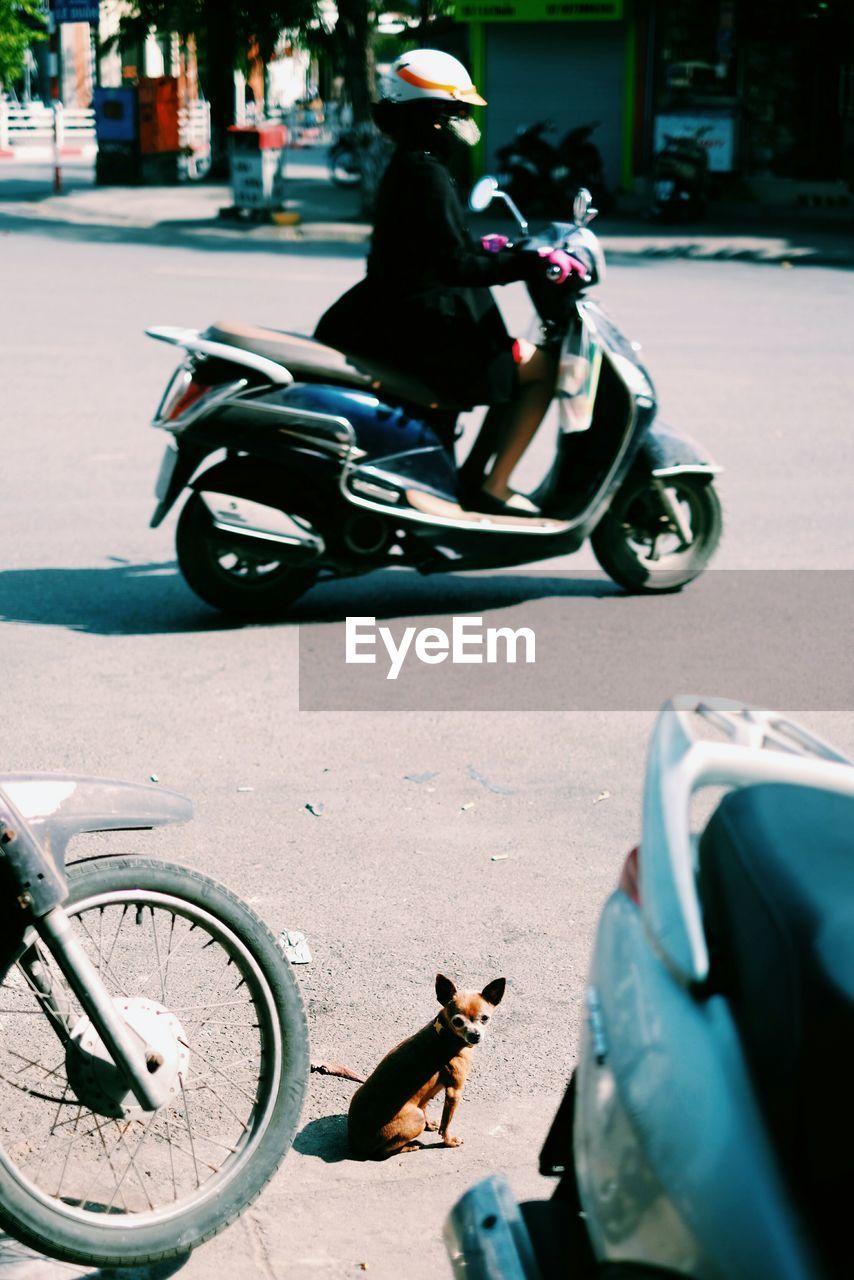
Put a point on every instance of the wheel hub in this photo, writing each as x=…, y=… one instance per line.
x=97, y=1081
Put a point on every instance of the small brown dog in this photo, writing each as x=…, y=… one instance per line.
x=389, y=1111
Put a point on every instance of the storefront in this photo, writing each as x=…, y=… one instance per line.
x=566, y=61
x=772, y=81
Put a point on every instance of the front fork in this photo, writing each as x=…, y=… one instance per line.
x=138, y=1061
x=672, y=510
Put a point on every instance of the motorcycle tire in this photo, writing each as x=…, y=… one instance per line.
x=626, y=542
x=245, y=581
x=344, y=167
x=102, y=1183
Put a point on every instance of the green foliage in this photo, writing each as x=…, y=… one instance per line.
x=241, y=22
x=21, y=22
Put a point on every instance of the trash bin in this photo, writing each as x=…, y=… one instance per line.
x=116, y=130
x=159, y=143
x=256, y=173
x=136, y=127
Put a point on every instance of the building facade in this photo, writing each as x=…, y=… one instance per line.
x=771, y=82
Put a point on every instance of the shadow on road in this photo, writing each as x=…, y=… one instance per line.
x=394, y=593
x=152, y=599
x=122, y=599
x=325, y=1138
x=17, y=1262
x=202, y=235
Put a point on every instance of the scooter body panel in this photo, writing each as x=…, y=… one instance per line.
x=666, y=452
x=691, y=1183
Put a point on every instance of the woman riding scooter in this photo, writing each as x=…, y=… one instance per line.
x=424, y=306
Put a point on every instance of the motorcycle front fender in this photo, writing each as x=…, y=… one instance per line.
x=56, y=807
x=666, y=452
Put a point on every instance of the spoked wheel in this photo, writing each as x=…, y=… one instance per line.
x=232, y=574
x=85, y=1173
x=658, y=535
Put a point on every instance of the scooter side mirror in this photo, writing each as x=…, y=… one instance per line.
x=484, y=191
x=483, y=194
x=582, y=208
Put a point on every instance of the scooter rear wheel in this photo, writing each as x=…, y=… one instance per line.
x=231, y=574
x=638, y=543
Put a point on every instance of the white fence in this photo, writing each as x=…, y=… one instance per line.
x=194, y=136
x=37, y=125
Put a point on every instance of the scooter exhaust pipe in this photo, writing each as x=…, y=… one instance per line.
x=293, y=536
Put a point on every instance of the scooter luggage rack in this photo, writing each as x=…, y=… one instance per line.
x=742, y=745
x=192, y=340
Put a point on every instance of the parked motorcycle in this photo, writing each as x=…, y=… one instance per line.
x=345, y=168
x=680, y=177
x=359, y=156
x=337, y=465
x=153, y=1043
x=543, y=178
x=707, y=1129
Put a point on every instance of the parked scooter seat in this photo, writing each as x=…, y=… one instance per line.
x=308, y=359
x=777, y=885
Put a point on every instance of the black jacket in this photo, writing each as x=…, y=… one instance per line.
x=425, y=306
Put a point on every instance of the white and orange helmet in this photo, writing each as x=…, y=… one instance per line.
x=426, y=74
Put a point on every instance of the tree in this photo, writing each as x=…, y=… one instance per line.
x=21, y=22
x=352, y=36
x=225, y=33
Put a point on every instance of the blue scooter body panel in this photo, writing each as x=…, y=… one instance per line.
x=692, y=1184
x=394, y=442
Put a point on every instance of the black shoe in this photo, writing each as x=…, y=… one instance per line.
x=516, y=505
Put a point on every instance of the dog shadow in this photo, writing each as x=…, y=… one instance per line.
x=326, y=1139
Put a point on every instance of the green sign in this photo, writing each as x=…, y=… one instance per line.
x=538, y=10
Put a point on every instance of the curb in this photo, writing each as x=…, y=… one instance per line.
x=771, y=250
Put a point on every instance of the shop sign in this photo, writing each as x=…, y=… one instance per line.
x=76, y=11
x=538, y=10
x=718, y=136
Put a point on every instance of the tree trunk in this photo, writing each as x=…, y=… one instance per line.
x=353, y=31
x=217, y=82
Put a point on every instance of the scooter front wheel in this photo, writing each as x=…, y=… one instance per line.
x=659, y=535
x=85, y=1173
x=231, y=574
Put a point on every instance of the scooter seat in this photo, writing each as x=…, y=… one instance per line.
x=777, y=887
x=307, y=358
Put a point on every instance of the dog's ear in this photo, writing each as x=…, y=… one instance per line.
x=493, y=991
x=445, y=989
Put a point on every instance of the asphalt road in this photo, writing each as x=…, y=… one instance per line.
x=110, y=666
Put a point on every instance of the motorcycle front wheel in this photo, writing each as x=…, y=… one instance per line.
x=233, y=575
x=86, y=1174
x=649, y=543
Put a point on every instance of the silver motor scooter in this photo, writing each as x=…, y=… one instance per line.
x=708, y=1130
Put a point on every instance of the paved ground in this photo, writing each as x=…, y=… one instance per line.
x=110, y=666
x=190, y=213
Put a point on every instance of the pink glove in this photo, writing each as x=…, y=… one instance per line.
x=494, y=243
x=565, y=263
